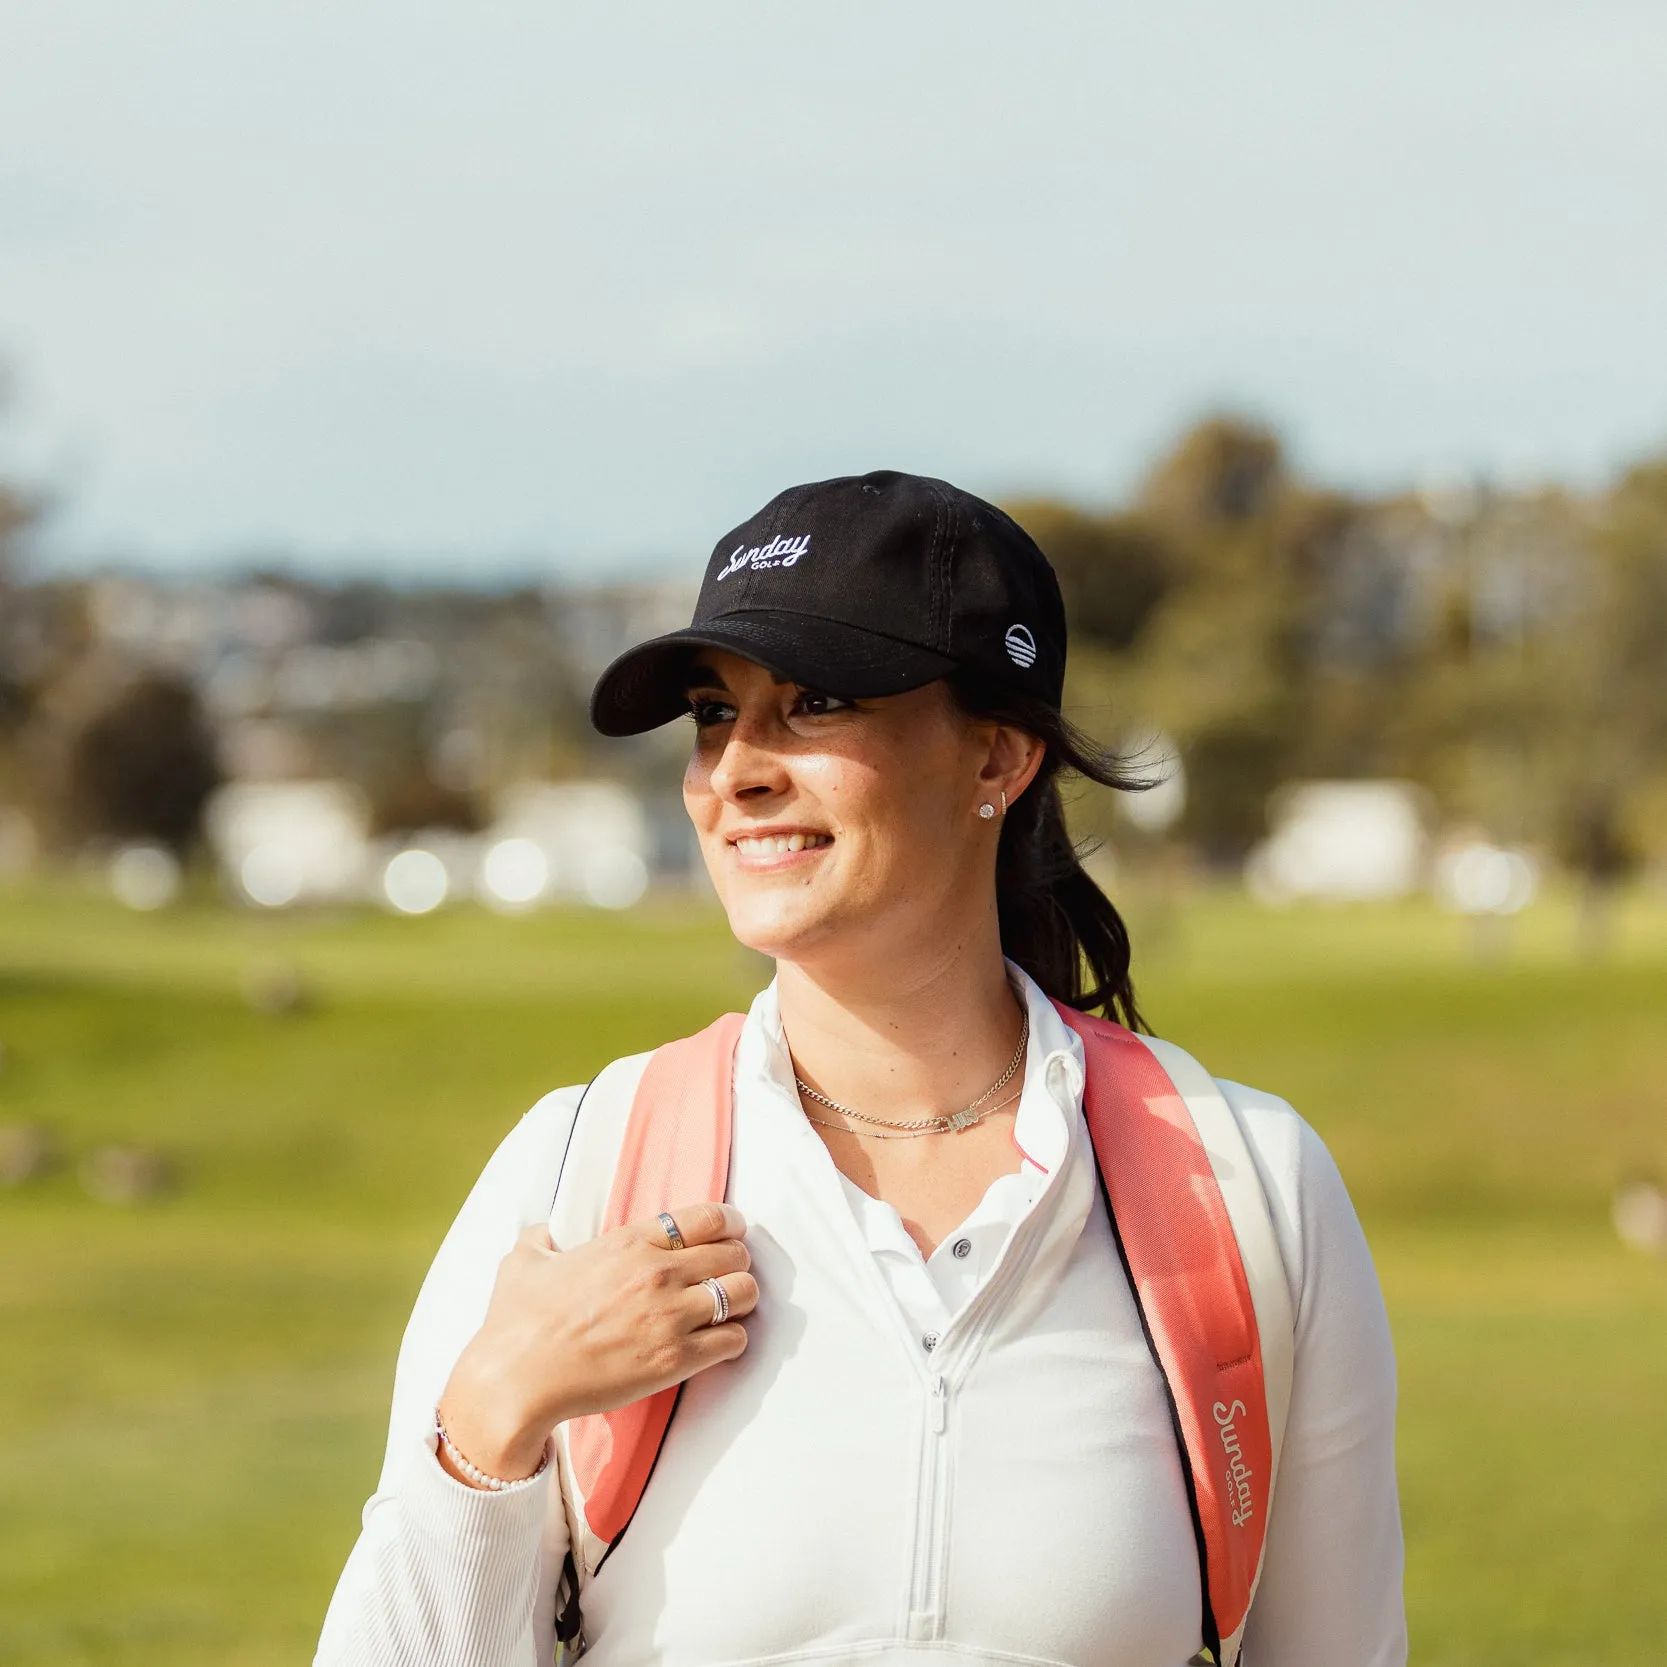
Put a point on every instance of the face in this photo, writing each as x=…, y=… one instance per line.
x=833, y=827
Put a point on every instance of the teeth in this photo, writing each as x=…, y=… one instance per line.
x=779, y=845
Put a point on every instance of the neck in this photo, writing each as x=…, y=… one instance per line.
x=910, y=1036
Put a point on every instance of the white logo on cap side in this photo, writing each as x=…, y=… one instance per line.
x=1021, y=646
x=779, y=552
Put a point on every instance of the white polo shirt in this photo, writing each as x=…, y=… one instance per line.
x=842, y=1494
x=932, y=1289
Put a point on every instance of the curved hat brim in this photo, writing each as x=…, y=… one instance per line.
x=645, y=687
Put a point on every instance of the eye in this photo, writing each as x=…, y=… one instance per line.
x=814, y=704
x=707, y=710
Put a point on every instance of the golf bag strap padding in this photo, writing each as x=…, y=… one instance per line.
x=675, y=1151
x=1177, y=1239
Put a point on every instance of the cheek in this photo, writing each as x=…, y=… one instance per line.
x=830, y=782
x=699, y=800
x=891, y=815
x=856, y=796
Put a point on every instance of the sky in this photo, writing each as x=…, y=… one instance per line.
x=446, y=291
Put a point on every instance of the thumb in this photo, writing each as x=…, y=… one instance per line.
x=537, y=1237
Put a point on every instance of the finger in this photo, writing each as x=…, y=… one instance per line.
x=712, y=1261
x=699, y=1224
x=740, y=1288
x=714, y=1344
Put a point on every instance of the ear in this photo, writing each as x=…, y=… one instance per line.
x=1011, y=762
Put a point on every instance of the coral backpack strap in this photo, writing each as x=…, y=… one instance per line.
x=1160, y=1158
x=1247, y=1208
x=676, y=1150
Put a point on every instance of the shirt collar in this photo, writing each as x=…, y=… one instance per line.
x=1049, y=1104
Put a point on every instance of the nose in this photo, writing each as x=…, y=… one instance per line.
x=750, y=766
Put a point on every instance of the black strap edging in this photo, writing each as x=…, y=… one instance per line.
x=676, y=1402
x=572, y=1129
x=568, y=1618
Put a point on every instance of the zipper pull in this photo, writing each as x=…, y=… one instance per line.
x=940, y=1406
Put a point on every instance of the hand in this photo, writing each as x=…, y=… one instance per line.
x=595, y=1328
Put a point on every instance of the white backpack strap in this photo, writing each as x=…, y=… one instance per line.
x=579, y=1191
x=1247, y=1208
x=578, y=1201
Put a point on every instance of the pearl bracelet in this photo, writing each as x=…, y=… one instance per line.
x=493, y=1484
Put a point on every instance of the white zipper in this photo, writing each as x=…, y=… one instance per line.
x=926, y=1619
x=931, y=1509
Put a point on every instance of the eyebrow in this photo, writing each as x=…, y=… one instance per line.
x=702, y=676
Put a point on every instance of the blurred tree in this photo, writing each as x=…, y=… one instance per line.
x=1296, y=633
x=1482, y=717
x=18, y=512
x=1222, y=667
x=1225, y=472
x=1113, y=570
x=15, y=514
x=18, y=508
x=1612, y=697
x=1198, y=614
x=141, y=766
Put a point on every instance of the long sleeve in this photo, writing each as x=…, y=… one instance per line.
x=442, y=1572
x=1330, y=1594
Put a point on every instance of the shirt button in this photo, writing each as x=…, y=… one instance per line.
x=929, y=1341
x=961, y=1249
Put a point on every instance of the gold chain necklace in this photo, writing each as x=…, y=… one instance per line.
x=950, y=1123
x=910, y=1134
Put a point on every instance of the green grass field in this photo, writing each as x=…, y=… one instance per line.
x=193, y=1388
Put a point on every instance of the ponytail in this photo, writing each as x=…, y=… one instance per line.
x=1056, y=923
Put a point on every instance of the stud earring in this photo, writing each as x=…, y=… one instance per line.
x=986, y=811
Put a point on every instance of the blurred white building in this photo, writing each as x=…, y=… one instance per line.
x=281, y=843
x=286, y=842
x=1473, y=876
x=587, y=840
x=1341, y=841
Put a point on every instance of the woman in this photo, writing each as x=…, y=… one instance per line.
x=922, y=1414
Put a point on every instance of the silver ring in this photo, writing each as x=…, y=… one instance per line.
x=720, y=1301
x=669, y=1227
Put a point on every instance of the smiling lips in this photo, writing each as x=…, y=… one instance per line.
x=779, y=844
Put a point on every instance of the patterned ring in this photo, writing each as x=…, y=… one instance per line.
x=720, y=1301
x=669, y=1228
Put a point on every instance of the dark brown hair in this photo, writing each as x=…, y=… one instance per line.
x=1056, y=923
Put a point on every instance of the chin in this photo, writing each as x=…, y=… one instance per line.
x=779, y=929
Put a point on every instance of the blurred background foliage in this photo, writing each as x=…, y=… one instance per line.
x=231, y=1134
x=1501, y=650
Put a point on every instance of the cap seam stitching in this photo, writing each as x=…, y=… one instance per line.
x=938, y=615
x=950, y=545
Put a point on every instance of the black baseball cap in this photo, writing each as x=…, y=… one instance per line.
x=861, y=586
